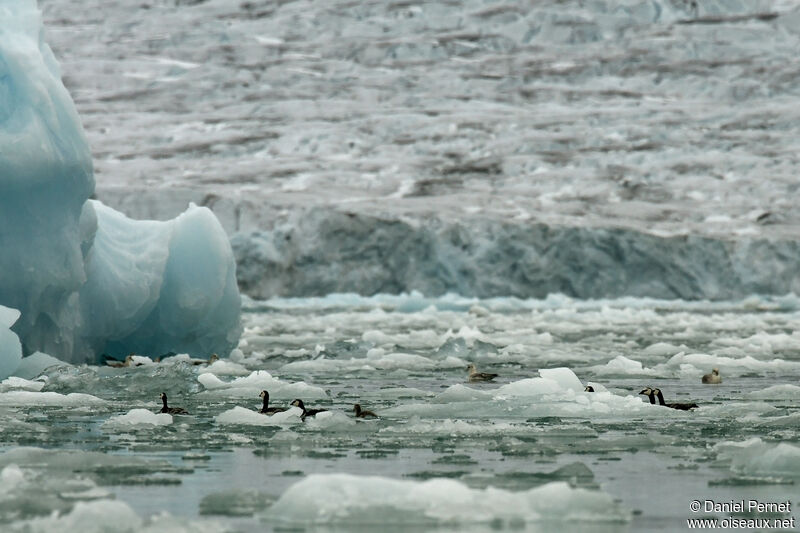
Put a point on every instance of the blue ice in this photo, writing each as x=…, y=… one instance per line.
x=86, y=279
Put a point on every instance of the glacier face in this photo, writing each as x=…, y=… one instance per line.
x=86, y=279
x=327, y=251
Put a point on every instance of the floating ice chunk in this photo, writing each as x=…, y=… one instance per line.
x=50, y=399
x=10, y=477
x=86, y=279
x=141, y=360
x=345, y=499
x=776, y=392
x=35, y=364
x=155, y=287
x=763, y=342
x=552, y=381
x=730, y=365
x=138, y=417
x=462, y=393
x=455, y=427
x=98, y=516
x=25, y=494
x=565, y=377
x=105, y=515
x=19, y=383
x=377, y=359
x=246, y=417
x=523, y=399
x=470, y=335
x=10, y=347
x=250, y=387
x=756, y=457
x=225, y=368
x=330, y=420
x=622, y=365
x=663, y=349
x=257, y=379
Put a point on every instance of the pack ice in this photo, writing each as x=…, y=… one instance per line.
x=86, y=279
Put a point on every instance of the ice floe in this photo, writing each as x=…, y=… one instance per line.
x=247, y=417
x=137, y=417
x=756, y=457
x=344, y=499
x=27, y=398
x=251, y=386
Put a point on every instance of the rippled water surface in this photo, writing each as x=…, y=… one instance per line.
x=522, y=452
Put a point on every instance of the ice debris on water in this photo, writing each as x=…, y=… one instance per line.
x=250, y=386
x=247, y=417
x=345, y=499
x=756, y=457
x=15, y=383
x=86, y=279
x=137, y=417
x=776, y=392
x=50, y=399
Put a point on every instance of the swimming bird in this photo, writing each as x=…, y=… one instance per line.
x=306, y=412
x=362, y=413
x=712, y=378
x=265, y=409
x=649, y=393
x=171, y=410
x=588, y=388
x=113, y=363
x=674, y=405
x=474, y=375
x=210, y=361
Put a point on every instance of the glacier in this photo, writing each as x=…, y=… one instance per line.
x=598, y=149
x=318, y=251
x=87, y=280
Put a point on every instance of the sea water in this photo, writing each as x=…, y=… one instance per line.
x=528, y=451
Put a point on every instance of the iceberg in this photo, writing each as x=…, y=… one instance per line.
x=10, y=347
x=86, y=279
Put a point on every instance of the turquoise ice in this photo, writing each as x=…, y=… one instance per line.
x=86, y=279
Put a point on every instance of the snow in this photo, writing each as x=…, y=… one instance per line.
x=86, y=279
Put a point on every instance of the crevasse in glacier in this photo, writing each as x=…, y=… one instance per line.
x=86, y=279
